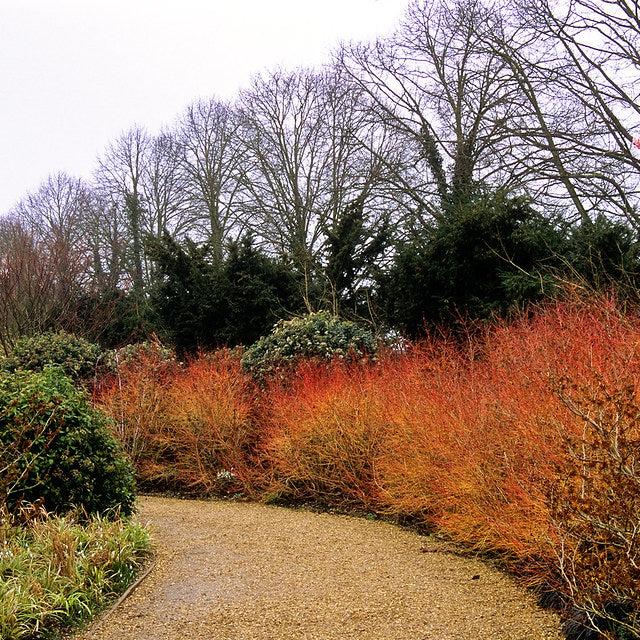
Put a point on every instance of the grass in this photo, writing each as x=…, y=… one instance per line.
x=57, y=572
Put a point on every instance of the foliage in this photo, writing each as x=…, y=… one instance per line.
x=76, y=356
x=56, y=573
x=524, y=445
x=523, y=442
x=57, y=448
x=352, y=252
x=492, y=253
x=134, y=397
x=209, y=431
x=322, y=436
x=136, y=352
x=603, y=253
x=119, y=317
x=259, y=292
x=205, y=303
x=317, y=336
x=188, y=293
x=486, y=255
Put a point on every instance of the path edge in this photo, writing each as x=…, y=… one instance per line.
x=95, y=624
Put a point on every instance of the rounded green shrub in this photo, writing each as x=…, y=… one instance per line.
x=76, y=356
x=55, y=447
x=136, y=352
x=317, y=336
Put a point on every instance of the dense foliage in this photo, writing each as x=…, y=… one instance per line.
x=524, y=444
x=603, y=253
x=204, y=302
x=475, y=162
x=316, y=336
x=73, y=354
x=473, y=159
x=134, y=353
x=188, y=428
x=353, y=254
x=56, y=448
x=494, y=254
x=484, y=256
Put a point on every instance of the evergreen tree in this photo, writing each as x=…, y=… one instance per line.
x=205, y=303
x=352, y=252
x=260, y=291
x=604, y=253
x=485, y=255
x=188, y=295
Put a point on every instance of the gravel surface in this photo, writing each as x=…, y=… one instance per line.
x=245, y=571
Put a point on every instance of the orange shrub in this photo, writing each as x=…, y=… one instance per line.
x=596, y=504
x=135, y=398
x=323, y=432
x=210, y=430
x=425, y=427
x=525, y=443
x=186, y=427
x=532, y=449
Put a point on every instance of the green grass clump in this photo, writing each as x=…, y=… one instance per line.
x=56, y=573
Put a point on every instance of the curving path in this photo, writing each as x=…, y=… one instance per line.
x=252, y=572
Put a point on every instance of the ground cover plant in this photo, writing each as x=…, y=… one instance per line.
x=56, y=573
x=523, y=443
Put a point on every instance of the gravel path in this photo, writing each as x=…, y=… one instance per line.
x=252, y=572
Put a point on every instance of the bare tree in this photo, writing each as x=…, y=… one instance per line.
x=305, y=161
x=107, y=238
x=46, y=256
x=120, y=177
x=549, y=121
x=597, y=44
x=164, y=188
x=56, y=213
x=211, y=159
x=446, y=98
x=28, y=284
x=283, y=170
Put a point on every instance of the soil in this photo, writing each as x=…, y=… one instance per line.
x=227, y=570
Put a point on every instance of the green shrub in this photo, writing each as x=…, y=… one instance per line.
x=56, y=447
x=133, y=353
x=74, y=355
x=484, y=257
x=317, y=336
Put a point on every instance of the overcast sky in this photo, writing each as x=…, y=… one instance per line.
x=74, y=74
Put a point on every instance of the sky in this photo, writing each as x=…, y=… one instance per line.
x=74, y=74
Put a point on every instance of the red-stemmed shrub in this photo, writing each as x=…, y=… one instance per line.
x=531, y=449
x=210, y=430
x=525, y=445
x=323, y=430
x=187, y=427
x=524, y=442
x=134, y=395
